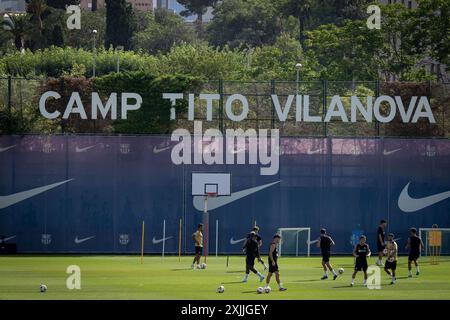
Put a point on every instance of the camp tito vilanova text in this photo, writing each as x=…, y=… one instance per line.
x=211, y=147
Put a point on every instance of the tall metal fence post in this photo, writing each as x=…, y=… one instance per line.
x=9, y=103
x=272, y=91
x=324, y=103
x=377, y=94
x=221, y=105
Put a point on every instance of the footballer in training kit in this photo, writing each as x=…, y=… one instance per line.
x=325, y=243
x=415, y=246
x=197, y=236
x=380, y=242
x=391, y=257
x=361, y=252
x=259, y=240
x=251, y=249
x=273, y=263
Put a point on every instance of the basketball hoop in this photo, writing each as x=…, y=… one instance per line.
x=211, y=194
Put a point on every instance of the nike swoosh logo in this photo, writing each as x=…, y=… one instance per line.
x=156, y=149
x=314, y=151
x=232, y=241
x=6, y=148
x=154, y=241
x=9, y=238
x=78, y=241
x=386, y=152
x=214, y=203
x=78, y=149
x=408, y=204
x=6, y=201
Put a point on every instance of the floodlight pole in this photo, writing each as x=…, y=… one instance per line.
x=94, y=53
x=297, y=67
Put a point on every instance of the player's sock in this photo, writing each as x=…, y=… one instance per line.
x=261, y=277
x=245, y=278
x=364, y=282
x=333, y=272
x=409, y=274
x=417, y=271
x=353, y=281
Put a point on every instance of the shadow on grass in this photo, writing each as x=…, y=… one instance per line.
x=232, y=282
x=239, y=271
x=181, y=269
x=308, y=280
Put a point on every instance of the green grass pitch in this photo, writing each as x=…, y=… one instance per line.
x=123, y=277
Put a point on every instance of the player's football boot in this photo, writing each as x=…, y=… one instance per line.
x=283, y=289
x=335, y=276
x=417, y=273
x=261, y=278
x=324, y=278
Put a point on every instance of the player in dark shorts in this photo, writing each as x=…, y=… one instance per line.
x=259, y=240
x=273, y=263
x=197, y=236
x=324, y=242
x=252, y=252
x=380, y=242
x=391, y=257
x=415, y=246
x=361, y=252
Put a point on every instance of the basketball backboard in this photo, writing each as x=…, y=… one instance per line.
x=204, y=183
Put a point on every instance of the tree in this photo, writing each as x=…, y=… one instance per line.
x=197, y=7
x=163, y=30
x=301, y=9
x=36, y=9
x=61, y=4
x=90, y=21
x=120, y=23
x=244, y=24
x=18, y=26
x=429, y=28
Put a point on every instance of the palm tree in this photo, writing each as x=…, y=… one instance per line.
x=36, y=8
x=301, y=9
x=18, y=26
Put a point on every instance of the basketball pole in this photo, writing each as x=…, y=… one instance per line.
x=205, y=222
x=142, y=242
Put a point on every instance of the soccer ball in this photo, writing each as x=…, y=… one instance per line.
x=203, y=266
x=341, y=270
x=260, y=290
x=221, y=289
x=267, y=289
x=42, y=288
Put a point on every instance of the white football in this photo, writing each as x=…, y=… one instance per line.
x=341, y=270
x=260, y=290
x=267, y=289
x=203, y=265
x=42, y=288
x=221, y=289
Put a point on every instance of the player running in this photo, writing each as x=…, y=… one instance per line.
x=415, y=245
x=361, y=252
x=259, y=240
x=252, y=252
x=380, y=242
x=391, y=260
x=273, y=264
x=324, y=242
x=197, y=236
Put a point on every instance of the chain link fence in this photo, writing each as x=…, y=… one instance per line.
x=19, y=107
